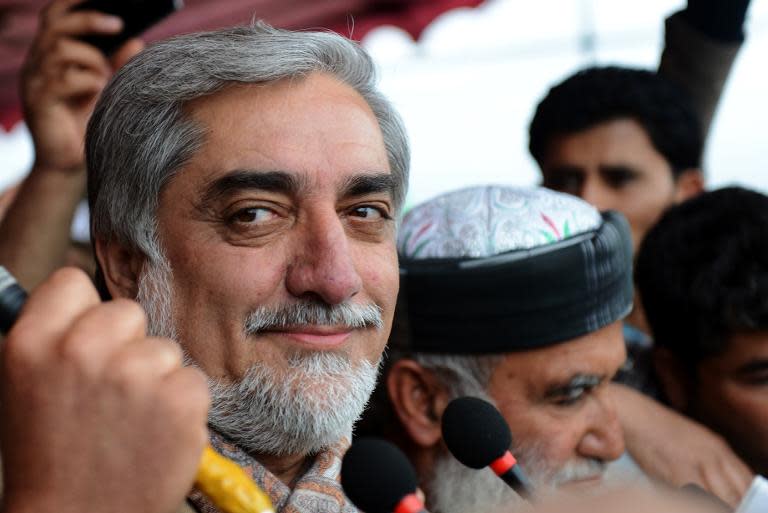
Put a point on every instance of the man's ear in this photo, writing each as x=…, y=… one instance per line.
x=121, y=268
x=676, y=380
x=418, y=399
x=688, y=184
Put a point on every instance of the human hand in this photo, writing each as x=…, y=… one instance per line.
x=63, y=77
x=96, y=416
x=675, y=449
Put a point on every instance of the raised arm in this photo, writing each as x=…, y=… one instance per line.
x=61, y=81
x=677, y=450
x=701, y=43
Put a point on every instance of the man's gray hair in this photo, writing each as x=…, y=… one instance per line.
x=462, y=375
x=140, y=135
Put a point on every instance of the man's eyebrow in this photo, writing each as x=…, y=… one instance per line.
x=564, y=168
x=363, y=184
x=576, y=381
x=754, y=366
x=243, y=179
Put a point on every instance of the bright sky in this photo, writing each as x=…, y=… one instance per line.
x=468, y=88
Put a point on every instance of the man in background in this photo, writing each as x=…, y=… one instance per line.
x=621, y=139
x=632, y=140
x=515, y=296
x=703, y=277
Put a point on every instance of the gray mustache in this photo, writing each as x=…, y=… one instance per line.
x=302, y=313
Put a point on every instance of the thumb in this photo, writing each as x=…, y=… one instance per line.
x=125, y=52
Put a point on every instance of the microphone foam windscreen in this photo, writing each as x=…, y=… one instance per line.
x=475, y=432
x=376, y=475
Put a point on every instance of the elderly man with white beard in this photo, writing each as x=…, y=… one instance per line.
x=515, y=296
x=243, y=186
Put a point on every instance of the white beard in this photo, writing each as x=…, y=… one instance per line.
x=455, y=488
x=299, y=411
x=302, y=411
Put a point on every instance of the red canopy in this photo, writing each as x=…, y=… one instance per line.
x=18, y=22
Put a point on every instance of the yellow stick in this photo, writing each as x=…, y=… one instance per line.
x=228, y=486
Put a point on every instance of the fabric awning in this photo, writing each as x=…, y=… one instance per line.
x=352, y=18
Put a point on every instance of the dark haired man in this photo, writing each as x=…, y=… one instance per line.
x=703, y=277
x=632, y=140
x=622, y=139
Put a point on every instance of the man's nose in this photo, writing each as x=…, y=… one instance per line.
x=596, y=193
x=604, y=438
x=324, y=266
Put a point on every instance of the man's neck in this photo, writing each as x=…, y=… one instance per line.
x=287, y=469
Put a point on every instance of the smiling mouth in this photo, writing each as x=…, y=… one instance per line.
x=317, y=337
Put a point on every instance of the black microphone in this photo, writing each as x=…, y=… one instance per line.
x=478, y=436
x=378, y=478
x=12, y=298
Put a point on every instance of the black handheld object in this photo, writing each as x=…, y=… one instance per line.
x=137, y=15
x=478, y=436
x=12, y=298
x=378, y=478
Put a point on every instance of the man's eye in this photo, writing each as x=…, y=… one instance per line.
x=571, y=396
x=619, y=179
x=252, y=215
x=368, y=212
x=756, y=379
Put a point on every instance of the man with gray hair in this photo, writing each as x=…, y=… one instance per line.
x=243, y=186
x=515, y=296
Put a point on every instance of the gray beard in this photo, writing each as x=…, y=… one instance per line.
x=455, y=488
x=302, y=410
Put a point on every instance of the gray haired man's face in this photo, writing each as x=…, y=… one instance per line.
x=559, y=408
x=280, y=231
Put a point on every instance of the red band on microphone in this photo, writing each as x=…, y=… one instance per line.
x=409, y=504
x=503, y=464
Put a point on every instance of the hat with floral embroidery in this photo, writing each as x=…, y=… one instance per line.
x=493, y=269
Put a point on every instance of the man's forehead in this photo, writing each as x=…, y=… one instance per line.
x=744, y=352
x=284, y=128
x=598, y=353
x=610, y=142
x=309, y=95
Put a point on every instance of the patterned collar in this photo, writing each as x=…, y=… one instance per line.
x=317, y=491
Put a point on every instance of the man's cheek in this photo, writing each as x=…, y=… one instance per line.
x=381, y=276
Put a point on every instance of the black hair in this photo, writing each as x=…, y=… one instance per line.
x=702, y=272
x=596, y=95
